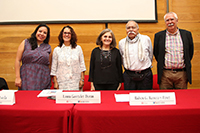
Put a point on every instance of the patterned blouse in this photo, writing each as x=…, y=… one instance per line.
x=67, y=65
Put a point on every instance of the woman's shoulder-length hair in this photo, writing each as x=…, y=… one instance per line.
x=33, y=40
x=99, y=42
x=73, y=37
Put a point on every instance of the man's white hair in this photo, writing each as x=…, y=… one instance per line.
x=132, y=21
x=175, y=15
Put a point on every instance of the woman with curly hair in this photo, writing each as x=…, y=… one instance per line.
x=68, y=66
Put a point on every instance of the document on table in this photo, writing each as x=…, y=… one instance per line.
x=9, y=90
x=122, y=97
x=48, y=92
x=7, y=97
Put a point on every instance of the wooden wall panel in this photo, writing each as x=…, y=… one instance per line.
x=188, y=12
x=189, y=16
x=144, y=28
x=86, y=34
x=12, y=35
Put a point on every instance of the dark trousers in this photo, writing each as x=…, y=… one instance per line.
x=145, y=84
x=106, y=86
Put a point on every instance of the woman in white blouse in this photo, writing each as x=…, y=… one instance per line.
x=68, y=66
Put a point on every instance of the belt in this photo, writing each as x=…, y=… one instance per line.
x=176, y=70
x=139, y=71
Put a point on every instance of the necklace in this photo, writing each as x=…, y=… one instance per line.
x=105, y=56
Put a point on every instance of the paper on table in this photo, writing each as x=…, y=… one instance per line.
x=46, y=93
x=10, y=90
x=7, y=97
x=122, y=97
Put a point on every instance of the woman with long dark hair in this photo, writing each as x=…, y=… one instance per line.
x=35, y=55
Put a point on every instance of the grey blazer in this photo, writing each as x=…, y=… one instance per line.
x=159, y=51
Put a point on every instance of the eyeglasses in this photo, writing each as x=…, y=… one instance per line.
x=69, y=33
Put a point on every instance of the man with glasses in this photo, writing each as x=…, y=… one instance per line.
x=173, y=51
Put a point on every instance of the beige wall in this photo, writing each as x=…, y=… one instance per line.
x=188, y=12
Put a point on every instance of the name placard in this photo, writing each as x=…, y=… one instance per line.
x=7, y=97
x=164, y=98
x=78, y=97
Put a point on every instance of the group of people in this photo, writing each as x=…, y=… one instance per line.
x=173, y=51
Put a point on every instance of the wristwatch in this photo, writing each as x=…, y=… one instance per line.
x=82, y=80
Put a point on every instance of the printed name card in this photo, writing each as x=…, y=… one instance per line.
x=164, y=98
x=78, y=97
x=7, y=97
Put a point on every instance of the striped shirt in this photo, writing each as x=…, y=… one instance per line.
x=174, y=51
